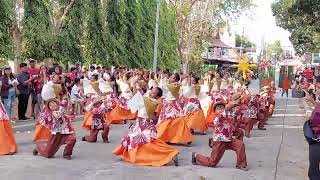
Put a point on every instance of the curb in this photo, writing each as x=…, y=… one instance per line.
x=30, y=126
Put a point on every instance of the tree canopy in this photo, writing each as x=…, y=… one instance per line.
x=6, y=21
x=302, y=19
x=244, y=41
x=275, y=51
x=111, y=32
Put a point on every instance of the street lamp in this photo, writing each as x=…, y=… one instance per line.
x=156, y=39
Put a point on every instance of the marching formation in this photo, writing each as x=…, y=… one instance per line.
x=167, y=109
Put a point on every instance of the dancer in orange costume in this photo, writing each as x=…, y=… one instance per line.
x=215, y=97
x=42, y=133
x=8, y=145
x=121, y=112
x=191, y=107
x=141, y=145
x=172, y=126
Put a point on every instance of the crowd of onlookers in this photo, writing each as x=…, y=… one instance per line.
x=21, y=92
x=301, y=85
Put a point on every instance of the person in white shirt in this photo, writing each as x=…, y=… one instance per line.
x=91, y=71
x=76, y=97
x=98, y=72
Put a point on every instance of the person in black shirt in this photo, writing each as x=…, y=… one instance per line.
x=24, y=87
x=68, y=83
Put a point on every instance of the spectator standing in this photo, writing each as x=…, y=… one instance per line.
x=98, y=72
x=34, y=72
x=8, y=89
x=106, y=74
x=76, y=96
x=51, y=70
x=73, y=73
x=285, y=86
x=84, y=73
x=91, y=72
x=57, y=70
x=68, y=82
x=24, y=87
x=78, y=70
x=41, y=80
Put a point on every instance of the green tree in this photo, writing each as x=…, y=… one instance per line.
x=117, y=54
x=108, y=32
x=94, y=33
x=301, y=18
x=133, y=16
x=244, y=41
x=6, y=11
x=276, y=51
x=67, y=48
x=273, y=52
x=196, y=20
x=168, y=55
x=38, y=40
x=51, y=30
x=148, y=11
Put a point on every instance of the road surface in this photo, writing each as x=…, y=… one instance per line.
x=279, y=153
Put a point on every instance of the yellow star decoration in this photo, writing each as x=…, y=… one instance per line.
x=244, y=66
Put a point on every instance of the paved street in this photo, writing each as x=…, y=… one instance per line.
x=279, y=153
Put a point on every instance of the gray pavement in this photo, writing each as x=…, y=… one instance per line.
x=279, y=153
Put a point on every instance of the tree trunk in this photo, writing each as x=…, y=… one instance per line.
x=16, y=38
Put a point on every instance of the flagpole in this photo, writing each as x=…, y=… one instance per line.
x=156, y=39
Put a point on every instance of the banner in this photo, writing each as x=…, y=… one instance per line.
x=266, y=75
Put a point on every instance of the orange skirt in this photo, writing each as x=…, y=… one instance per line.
x=197, y=121
x=87, y=120
x=118, y=115
x=41, y=133
x=210, y=115
x=174, y=131
x=155, y=153
x=7, y=141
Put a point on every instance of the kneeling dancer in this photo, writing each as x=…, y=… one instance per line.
x=223, y=140
x=55, y=119
x=95, y=120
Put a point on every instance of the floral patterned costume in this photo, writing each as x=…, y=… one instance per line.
x=142, y=132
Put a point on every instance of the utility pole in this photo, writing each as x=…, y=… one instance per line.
x=241, y=39
x=156, y=38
